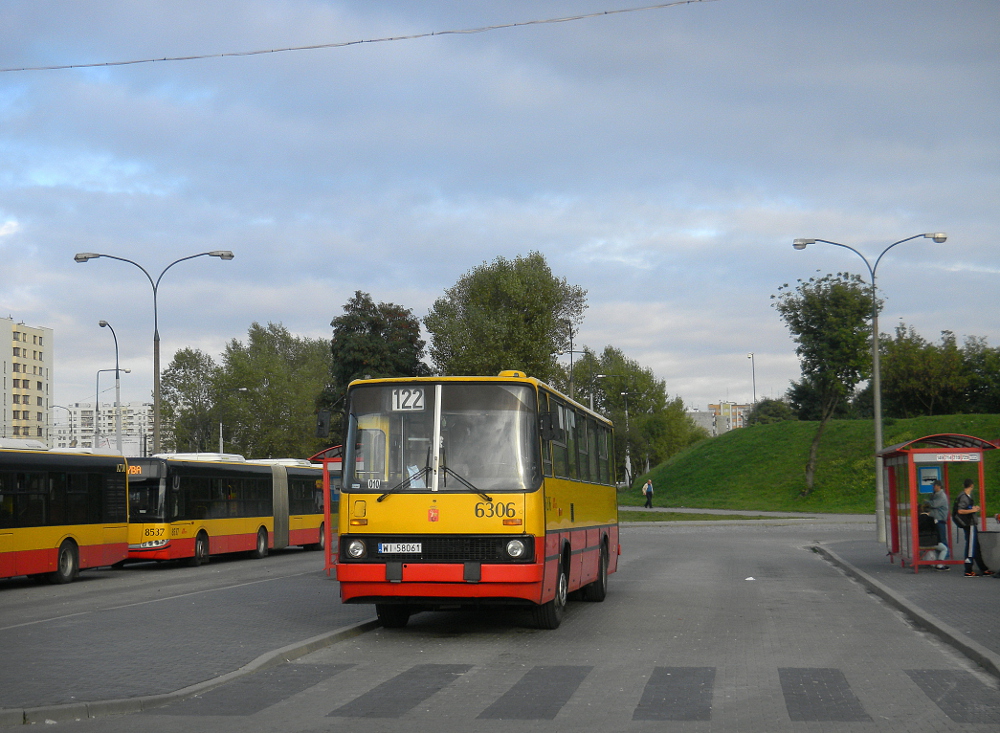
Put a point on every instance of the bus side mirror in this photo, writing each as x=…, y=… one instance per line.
x=323, y=424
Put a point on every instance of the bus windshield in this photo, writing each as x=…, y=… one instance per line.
x=145, y=500
x=487, y=438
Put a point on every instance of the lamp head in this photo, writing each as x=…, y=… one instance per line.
x=102, y=323
x=222, y=254
x=127, y=371
x=803, y=243
x=84, y=256
x=938, y=237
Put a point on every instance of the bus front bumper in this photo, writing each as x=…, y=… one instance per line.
x=439, y=580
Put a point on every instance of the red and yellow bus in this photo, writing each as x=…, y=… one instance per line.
x=473, y=490
x=60, y=512
x=190, y=506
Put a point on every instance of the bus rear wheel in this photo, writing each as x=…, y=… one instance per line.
x=598, y=590
x=321, y=545
x=260, y=551
x=67, y=563
x=200, y=556
x=392, y=615
x=549, y=615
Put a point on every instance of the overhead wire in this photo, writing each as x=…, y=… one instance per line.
x=344, y=44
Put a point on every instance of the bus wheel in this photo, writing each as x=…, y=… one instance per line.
x=392, y=615
x=598, y=590
x=549, y=615
x=67, y=563
x=200, y=551
x=260, y=551
x=321, y=545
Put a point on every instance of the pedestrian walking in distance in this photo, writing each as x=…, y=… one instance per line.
x=647, y=491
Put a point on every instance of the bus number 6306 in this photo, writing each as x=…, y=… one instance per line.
x=489, y=509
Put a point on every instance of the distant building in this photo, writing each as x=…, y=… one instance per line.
x=729, y=416
x=705, y=420
x=75, y=428
x=26, y=356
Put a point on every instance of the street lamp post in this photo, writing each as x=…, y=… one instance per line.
x=938, y=237
x=118, y=389
x=753, y=377
x=97, y=406
x=221, y=445
x=221, y=254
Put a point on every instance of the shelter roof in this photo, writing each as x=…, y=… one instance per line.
x=942, y=440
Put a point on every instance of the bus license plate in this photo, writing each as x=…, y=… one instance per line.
x=398, y=548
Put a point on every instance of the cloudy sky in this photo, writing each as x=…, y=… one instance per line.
x=663, y=159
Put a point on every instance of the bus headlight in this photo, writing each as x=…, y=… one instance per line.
x=516, y=548
x=356, y=549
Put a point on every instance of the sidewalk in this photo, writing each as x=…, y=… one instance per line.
x=813, y=516
x=961, y=611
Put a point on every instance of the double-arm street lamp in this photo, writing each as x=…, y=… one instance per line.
x=221, y=254
x=938, y=237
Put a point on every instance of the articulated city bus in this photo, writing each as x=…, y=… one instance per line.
x=473, y=490
x=190, y=506
x=60, y=512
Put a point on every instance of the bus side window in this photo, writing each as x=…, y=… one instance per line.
x=583, y=446
x=560, y=453
x=543, y=410
x=603, y=455
x=592, y=433
x=571, y=442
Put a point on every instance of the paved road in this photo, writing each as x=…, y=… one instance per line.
x=152, y=629
x=706, y=628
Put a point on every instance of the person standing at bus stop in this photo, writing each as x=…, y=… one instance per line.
x=938, y=503
x=964, y=514
x=647, y=491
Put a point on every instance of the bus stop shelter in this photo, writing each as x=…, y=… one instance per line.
x=910, y=470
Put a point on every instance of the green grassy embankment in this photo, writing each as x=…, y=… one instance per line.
x=763, y=467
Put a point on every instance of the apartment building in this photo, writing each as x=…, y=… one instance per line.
x=75, y=426
x=729, y=416
x=26, y=380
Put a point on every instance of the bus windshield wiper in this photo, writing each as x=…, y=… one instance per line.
x=406, y=482
x=467, y=484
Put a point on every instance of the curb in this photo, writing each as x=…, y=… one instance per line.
x=979, y=654
x=102, y=708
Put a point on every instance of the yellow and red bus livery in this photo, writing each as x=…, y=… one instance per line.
x=60, y=512
x=473, y=490
x=189, y=506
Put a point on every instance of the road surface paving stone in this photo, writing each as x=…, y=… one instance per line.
x=749, y=603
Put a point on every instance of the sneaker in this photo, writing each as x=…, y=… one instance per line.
x=941, y=567
x=971, y=574
x=987, y=572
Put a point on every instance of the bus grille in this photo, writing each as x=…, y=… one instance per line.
x=443, y=548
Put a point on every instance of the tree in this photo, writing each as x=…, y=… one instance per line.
x=372, y=340
x=921, y=378
x=768, y=411
x=267, y=390
x=656, y=426
x=507, y=314
x=829, y=318
x=982, y=372
x=188, y=401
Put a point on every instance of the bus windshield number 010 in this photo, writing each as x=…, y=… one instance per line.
x=489, y=509
x=407, y=399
